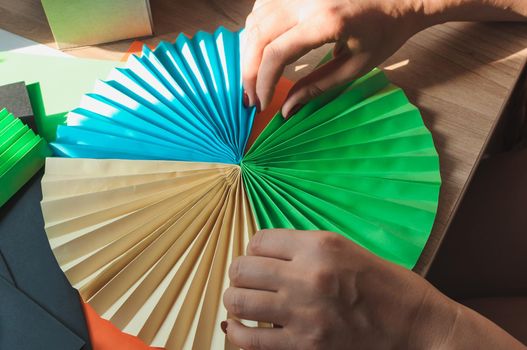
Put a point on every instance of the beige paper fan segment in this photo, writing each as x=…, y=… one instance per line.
x=148, y=243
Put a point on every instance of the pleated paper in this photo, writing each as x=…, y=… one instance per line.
x=162, y=194
x=22, y=154
x=148, y=243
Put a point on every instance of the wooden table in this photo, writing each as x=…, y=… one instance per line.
x=459, y=74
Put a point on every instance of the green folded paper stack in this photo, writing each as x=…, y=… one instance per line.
x=22, y=154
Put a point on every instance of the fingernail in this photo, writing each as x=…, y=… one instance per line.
x=224, y=325
x=258, y=105
x=294, y=111
x=246, y=101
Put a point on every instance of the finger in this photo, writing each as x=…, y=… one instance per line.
x=256, y=338
x=255, y=305
x=256, y=272
x=264, y=25
x=342, y=69
x=284, y=50
x=277, y=243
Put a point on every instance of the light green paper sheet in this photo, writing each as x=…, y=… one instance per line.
x=62, y=82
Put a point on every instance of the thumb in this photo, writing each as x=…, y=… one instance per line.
x=340, y=70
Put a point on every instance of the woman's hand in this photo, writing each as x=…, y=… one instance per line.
x=328, y=293
x=366, y=32
x=278, y=32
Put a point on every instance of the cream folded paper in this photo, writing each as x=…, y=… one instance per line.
x=148, y=243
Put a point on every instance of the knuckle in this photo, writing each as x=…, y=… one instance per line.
x=338, y=22
x=227, y=296
x=255, y=31
x=256, y=242
x=272, y=53
x=238, y=304
x=235, y=271
x=313, y=90
x=328, y=241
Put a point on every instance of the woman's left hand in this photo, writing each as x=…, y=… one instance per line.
x=328, y=293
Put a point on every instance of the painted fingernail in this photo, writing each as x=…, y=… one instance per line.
x=258, y=105
x=224, y=325
x=294, y=111
x=246, y=101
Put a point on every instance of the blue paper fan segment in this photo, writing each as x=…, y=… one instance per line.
x=181, y=101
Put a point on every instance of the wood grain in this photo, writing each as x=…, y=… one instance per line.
x=459, y=74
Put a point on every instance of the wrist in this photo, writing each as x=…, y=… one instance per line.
x=409, y=15
x=434, y=320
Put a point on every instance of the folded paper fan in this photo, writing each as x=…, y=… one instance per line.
x=178, y=102
x=163, y=195
x=148, y=243
x=22, y=154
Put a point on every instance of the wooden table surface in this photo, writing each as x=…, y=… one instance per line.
x=459, y=74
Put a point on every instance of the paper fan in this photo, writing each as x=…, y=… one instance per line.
x=179, y=102
x=147, y=239
x=22, y=154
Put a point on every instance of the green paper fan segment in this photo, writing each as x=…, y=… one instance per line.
x=22, y=154
x=360, y=163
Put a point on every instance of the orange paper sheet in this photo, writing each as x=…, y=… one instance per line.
x=263, y=118
x=105, y=336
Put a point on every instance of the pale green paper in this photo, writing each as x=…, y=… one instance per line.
x=63, y=81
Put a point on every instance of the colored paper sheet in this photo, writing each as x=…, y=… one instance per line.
x=105, y=336
x=15, y=43
x=22, y=154
x=63, y=82
x=44, y=311
x=14, y=97
x=263, y=118
x=26, y=326
x=357, y=160
x=136, y=48
x=4, y=270
x=90, y=22
x=148, y=243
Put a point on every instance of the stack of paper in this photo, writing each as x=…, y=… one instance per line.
x=22, y=154
x=163, y=192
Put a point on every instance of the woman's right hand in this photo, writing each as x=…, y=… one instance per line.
x=278, y=32
x=366, y=33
